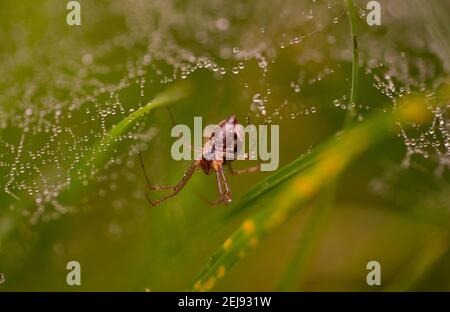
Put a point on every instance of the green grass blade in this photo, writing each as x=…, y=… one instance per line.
x=330, y=161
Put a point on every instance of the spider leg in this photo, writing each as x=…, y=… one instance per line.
x=147, y=179
x=224, y=181
x=245, y=170
x=219, y=184
x=176, y=188
x=143, y=168
x=224, y=197
x=148, y=199
x=172, y=119
x=179, y=186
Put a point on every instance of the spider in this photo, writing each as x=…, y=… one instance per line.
x=208, y=164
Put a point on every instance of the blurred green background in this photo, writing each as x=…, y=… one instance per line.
x=63, y=87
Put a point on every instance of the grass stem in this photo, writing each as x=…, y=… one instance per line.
x=303, y=251
x=352, y=16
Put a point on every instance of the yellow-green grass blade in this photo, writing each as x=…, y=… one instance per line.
x=430, y=251
x=329, y=162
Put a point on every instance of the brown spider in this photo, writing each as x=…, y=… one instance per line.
x=208, y=164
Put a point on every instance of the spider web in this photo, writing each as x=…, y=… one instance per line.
x=63, y=88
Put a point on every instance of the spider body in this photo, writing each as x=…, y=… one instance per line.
x=216, y=153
